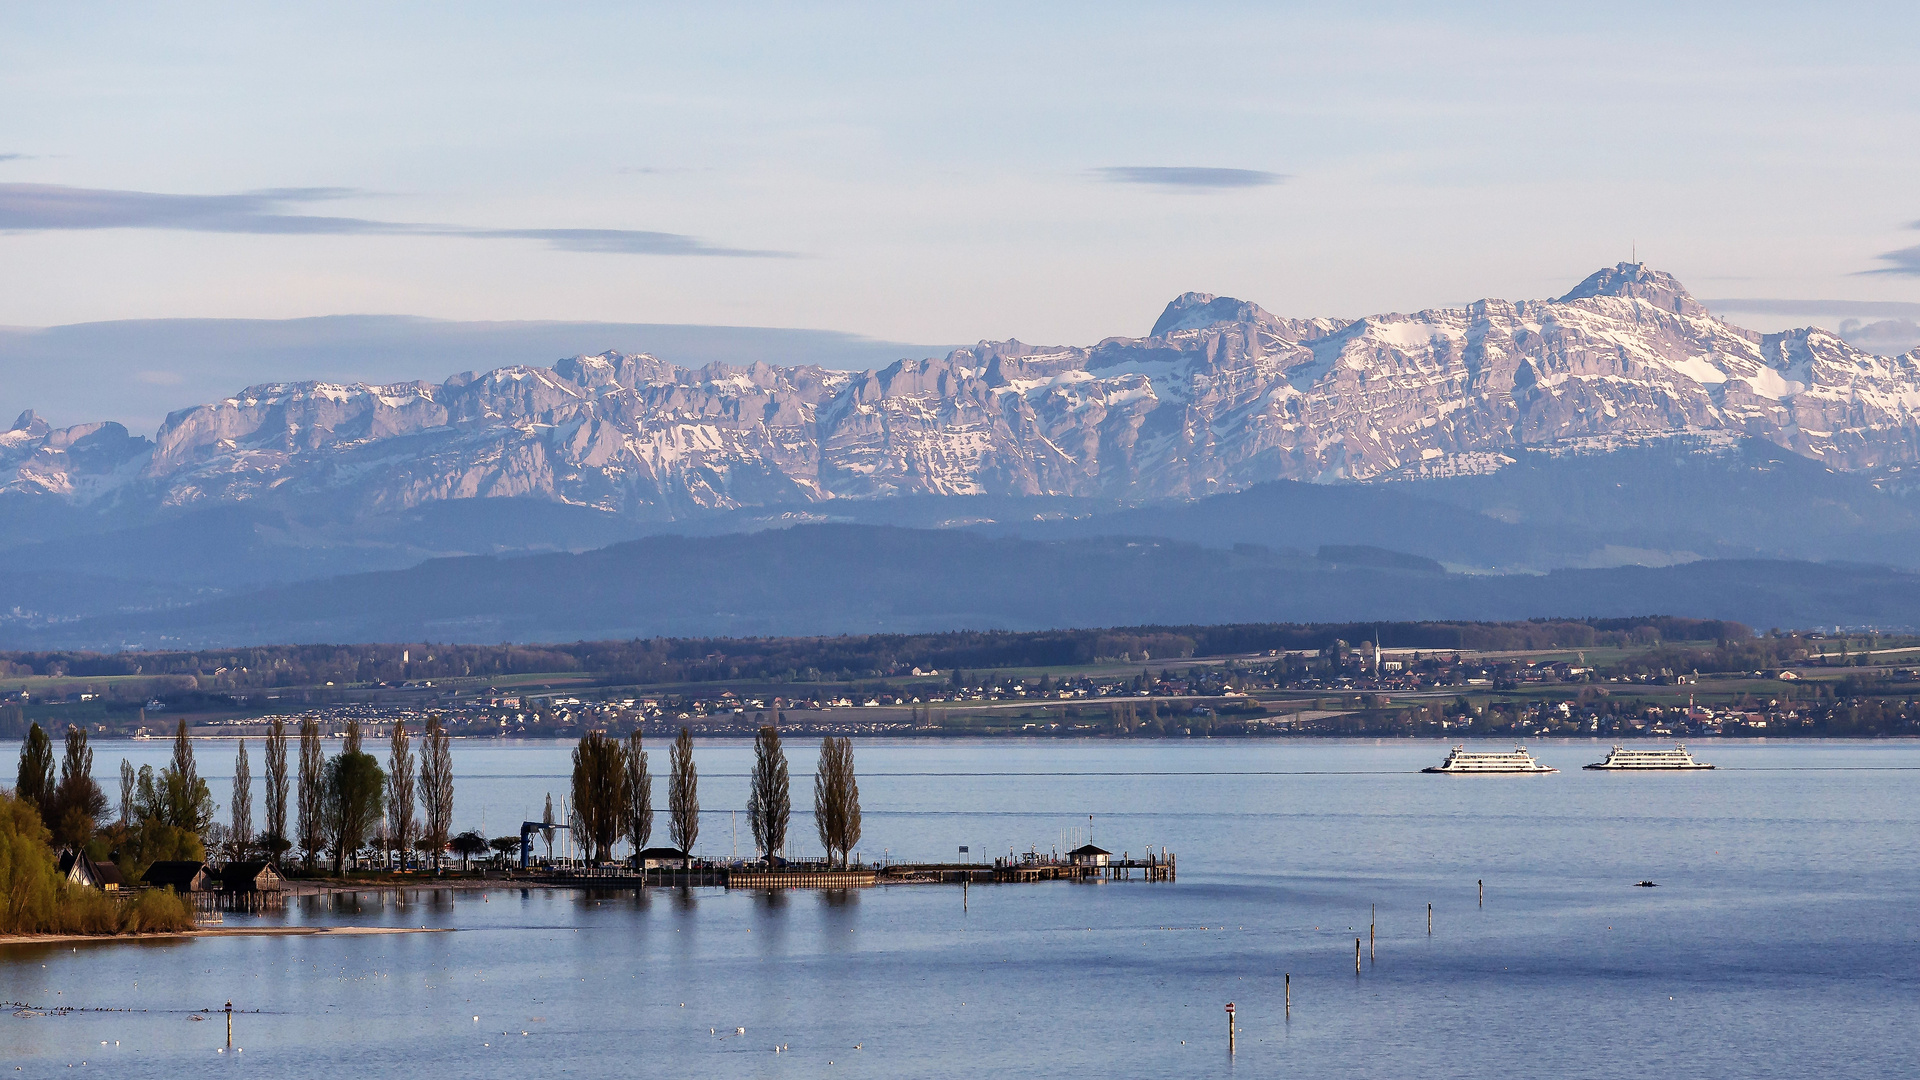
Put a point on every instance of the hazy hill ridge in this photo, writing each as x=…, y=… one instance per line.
x=1221, y=395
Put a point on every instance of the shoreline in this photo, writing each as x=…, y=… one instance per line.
x=216, y=931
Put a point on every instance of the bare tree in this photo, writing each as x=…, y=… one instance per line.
x=836, y=798
x=769, y=800
x=683, y=794
x=601, y=795
x=242, y=834
x=640, y=805
x=313, y=761
x=126, y=791
x=436, y=787
x=276, y=835
x=400, y=792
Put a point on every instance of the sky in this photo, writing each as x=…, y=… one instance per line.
x=946, y=173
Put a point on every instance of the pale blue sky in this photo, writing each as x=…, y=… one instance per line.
x=937, y=174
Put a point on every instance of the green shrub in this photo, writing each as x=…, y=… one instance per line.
x=34, y=899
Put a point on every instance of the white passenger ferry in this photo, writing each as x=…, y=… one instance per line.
x=1669, y=760
x=1519, y=761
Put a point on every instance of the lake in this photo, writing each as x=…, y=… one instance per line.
x=1781, y=940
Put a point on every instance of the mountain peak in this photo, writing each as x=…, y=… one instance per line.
x=30, y=423
x=1633, y=279
x=1198, y=310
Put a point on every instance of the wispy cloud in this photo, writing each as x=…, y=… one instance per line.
x=1903, y=263
x=14, y=157
x=1187, y=176
x=1783, y=306
x=50, y=207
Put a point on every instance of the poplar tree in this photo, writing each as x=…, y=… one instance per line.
x=312, y=762
x=400, y=792
x=640, y=807
x=683, y=794
x=276, y=835
x=242, y=802
x=189, y=805
x=769, y=800
x=127, y=776
x=436, y=788
x=34, y=784
x=77, y=802
x=836, y=798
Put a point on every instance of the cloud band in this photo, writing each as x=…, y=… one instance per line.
x=51, y=207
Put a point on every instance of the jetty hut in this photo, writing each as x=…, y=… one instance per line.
x=663, y=858
x=80, y=870
x=1088, y=855
x=250, y=877
x=182, y=876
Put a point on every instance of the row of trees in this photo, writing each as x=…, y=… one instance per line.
x=335, y=802
x=613, y=795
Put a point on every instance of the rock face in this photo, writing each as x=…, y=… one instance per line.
x=1221, y=395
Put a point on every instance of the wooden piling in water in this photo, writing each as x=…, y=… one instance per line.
x=1429, y=920
x=1483, y=892
x=1356, y=956
x=1289, y=986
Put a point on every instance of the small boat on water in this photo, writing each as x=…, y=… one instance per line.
x=1620, y=759
x=1460, y=761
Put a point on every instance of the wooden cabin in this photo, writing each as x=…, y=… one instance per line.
x=663, y=858
x=251, y=877
x=1088, y=855
x=80, y=870
x=182, y=876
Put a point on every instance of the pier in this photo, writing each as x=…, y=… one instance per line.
x=1032, y=867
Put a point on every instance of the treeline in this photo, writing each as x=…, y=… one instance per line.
x=35, y=897
x=668, y=660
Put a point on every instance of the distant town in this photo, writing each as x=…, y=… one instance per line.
x=1622, y=682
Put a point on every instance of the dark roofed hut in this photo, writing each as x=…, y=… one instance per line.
x=251, y=877
x=182, y=876
x=1088, y=855
x=80, y=870
x=663, y=858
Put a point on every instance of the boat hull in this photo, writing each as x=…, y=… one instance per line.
x=1602, y=767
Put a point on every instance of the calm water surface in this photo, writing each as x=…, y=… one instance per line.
x=1781, y=941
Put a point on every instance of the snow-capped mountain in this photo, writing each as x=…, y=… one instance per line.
x=1220, y=395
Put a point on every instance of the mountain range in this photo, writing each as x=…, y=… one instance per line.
x=1619, y=425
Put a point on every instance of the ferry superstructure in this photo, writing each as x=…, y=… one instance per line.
x=1621, y=759
x=1460, y=761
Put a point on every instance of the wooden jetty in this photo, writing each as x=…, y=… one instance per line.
x=1034, y=866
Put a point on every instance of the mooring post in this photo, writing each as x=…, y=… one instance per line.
x=1289, y=986
x=1230, y=1032
x=1429, y=920
x=1483, y=892
x=229, y=1024
x=1356, y=956
x=1370, y=926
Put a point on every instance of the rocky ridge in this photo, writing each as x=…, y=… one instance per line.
x=1220, y=395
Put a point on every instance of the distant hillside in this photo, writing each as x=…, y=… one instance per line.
x=831, y=579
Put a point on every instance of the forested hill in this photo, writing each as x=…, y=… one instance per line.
x=661, y=660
